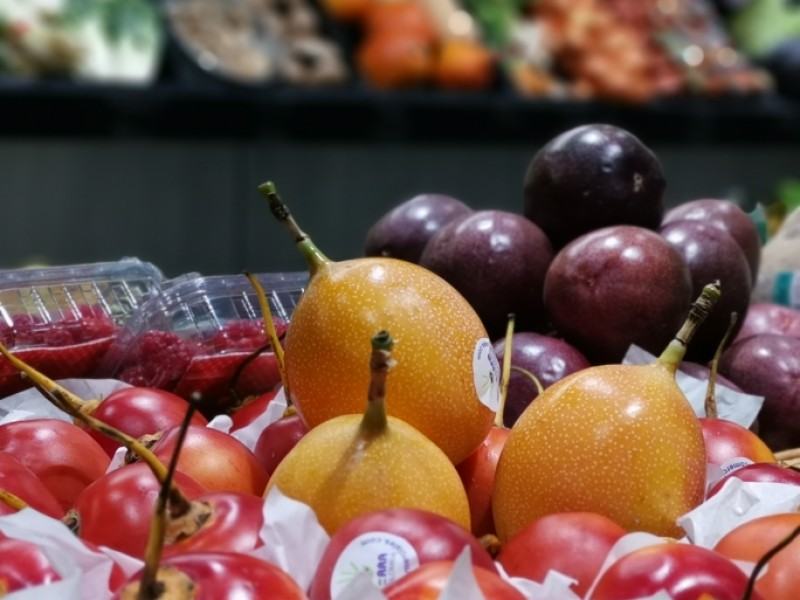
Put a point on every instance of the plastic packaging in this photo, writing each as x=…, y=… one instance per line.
x=779, y=272
x=61, y=320
x=201, y=338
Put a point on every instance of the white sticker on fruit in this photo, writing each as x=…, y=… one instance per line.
x=385, y=556
x=486, y=371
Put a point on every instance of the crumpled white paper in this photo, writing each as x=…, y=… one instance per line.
x=733, y=406
x=275, y=410
x=30, y=404
x=736, y=503
x=85, y=574
x=293, y=538
x=556, y=586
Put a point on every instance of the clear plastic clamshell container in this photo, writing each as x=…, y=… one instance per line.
x=62, y=319
x=205, y=337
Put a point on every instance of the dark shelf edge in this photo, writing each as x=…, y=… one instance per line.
x=184, y=110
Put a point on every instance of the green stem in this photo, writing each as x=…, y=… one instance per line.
x=673, y=354
x=315, y=259
x=374, y=421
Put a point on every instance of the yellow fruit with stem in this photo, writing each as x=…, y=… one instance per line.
x=360, y=463
x=619, y=440
x=446, y=383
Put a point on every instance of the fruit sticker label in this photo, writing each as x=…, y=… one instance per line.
x=486, y=370
x=385, y=556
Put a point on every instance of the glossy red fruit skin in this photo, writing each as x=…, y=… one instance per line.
x=726, y=440
x=759, y=472
x=216, y=460
x=249, y=412
x=233, y=527
x=573, y=543
x=477, y=473
x=229, y=576
x=62, y=455
x=684, y=571
x=428, y=581
x=19, y=480
x=23, y=565
x=751, y=540
x=116, y=510
x=140, y=411
x=277, y=440
x=432, y=536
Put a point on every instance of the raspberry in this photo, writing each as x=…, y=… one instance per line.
x=157, y=359
x=242, y=335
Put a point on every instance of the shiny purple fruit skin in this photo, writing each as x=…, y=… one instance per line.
x=769, y=365
x=712, y=255
x=549, y=359
x=766, y=317
x=593, y=176
x=726, y=215
x=498, y=261
x=404, y=231
x=618, y=286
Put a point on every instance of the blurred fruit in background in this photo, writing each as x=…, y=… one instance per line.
x=395, y=60
x=100, y=40
x=464, y=64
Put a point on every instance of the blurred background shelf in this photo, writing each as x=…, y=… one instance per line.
x=184, y=110
x=168, y=169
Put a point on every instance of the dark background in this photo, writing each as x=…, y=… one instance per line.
x=170, y=174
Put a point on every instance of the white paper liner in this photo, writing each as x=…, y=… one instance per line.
x=275, y=410
x=733, y=406
x=30, y=404
x=293, y=538
x=736, y=503
x=556, y=586
x=85, y=574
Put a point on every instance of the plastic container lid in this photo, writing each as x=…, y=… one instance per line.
x=62, y=319
x=201, y=338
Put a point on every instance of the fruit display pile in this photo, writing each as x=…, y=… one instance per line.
x=634, y=52
x=581, y=400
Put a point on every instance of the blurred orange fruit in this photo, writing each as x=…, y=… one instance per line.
x=395, y=60
x=399, y=17
x=464, y=64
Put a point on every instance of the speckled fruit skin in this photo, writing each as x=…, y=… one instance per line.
x=432, y=386
x=618, y=440
x=341, y=475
